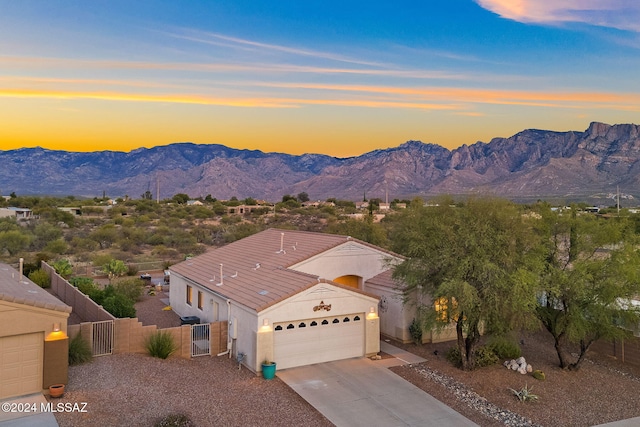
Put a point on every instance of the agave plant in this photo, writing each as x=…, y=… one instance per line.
x=524, y=394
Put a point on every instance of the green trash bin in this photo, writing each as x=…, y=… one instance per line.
x=269, y=370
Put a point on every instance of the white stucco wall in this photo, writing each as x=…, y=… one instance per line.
x=178, y=300
x=300, y=308
x=350, y=258
x=395, y=318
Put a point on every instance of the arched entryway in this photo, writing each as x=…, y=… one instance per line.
x=350, y=280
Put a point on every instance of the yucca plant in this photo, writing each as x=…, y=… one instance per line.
x=160, y=344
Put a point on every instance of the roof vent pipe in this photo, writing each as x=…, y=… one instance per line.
x=281, y=251
x=221, y=276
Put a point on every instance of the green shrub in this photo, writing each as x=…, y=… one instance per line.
x=63, y=267
x=174, y=420
x=485, y=357
x=454, y=357
x=415, y=330
x=119, y=305
x=131, y=288
x=539, y=375
x=79, y=351
x=504, y=348
x=160, y=344
x=40, y=278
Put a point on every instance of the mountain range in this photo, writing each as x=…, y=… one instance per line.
x=531, y=164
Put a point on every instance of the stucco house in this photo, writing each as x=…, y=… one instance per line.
x=295, y=297
x=33, y=336
x=17, y=213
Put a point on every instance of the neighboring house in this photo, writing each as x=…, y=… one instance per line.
x=17, y=213
x=34, y=347
x=194, y=203
x=72, y=211
x=242, y=209
x=294, y=297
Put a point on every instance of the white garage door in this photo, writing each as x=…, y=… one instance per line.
x=318, y=340
x=21, y=364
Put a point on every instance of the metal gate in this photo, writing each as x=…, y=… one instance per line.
x=102, y=338
x=200, y=340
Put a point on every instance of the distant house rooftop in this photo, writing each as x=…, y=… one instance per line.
x=21, y=290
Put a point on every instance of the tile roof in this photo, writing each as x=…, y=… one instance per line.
x=384, y=279
x=255, y=269
x=24, y=291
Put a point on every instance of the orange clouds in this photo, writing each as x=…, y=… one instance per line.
x=430, y=98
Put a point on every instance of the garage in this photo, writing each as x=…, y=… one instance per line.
x=33, y=342
x=21, y=359
x=319, y=340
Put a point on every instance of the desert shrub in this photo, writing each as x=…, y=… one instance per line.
x=504, y=348
x=81, y=282
x=174, y=420
x=131, y=288
x=132, y=270
x=119, y=305
x=538, y=374
x=415, y=330
x=454, y=357
x=58, y=246
x=30, y=267
x=88, y=287
x=160, y=344
x=484, y=357
x=79, y=351
x=40, y=278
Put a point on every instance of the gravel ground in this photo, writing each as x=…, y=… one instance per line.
x=149, y=311
x=601, y=391
x=137, y=390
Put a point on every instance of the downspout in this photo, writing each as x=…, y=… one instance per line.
x=228, y=351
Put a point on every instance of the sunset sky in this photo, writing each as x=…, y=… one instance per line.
x=333, y=77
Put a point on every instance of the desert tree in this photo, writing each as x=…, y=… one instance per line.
x=474, y=265
x=591, y=277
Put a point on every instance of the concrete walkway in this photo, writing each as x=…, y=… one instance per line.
x=363, y=392
x=24, y=418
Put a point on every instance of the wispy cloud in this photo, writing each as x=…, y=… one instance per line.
x=620, y=14
x=445, y=99
x=236, y=42
x=253, y=68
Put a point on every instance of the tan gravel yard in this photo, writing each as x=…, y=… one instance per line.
x=603, y=390
x=137, y=390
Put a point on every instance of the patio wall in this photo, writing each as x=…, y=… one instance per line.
x=130, y=335
x=625, y=350
x=82, y=305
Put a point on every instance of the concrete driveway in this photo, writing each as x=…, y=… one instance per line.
x=24, y=418
x=363, y=392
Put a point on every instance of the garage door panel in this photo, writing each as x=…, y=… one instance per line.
x=306, y=345
x=21, y=359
